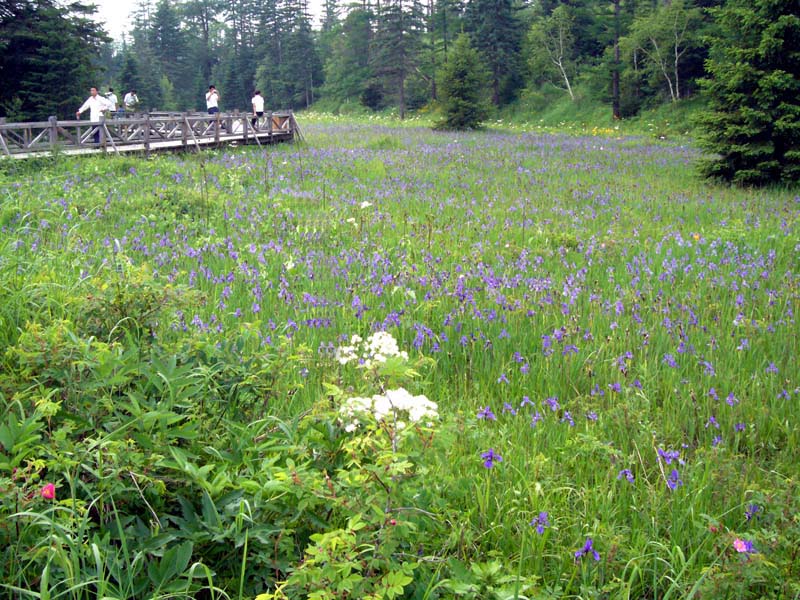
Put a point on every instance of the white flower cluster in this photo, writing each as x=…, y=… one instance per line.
x=397, y=407
x=376, y=349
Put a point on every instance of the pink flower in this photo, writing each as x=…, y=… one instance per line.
x=48, y=491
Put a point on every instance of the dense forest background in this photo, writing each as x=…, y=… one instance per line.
x=375, y=54
x=463, y=59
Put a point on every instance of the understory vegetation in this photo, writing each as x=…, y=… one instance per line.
x=398, y=363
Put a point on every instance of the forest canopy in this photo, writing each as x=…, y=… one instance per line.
x=631, y=55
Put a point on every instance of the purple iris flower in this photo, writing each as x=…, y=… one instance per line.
x=674, y=480
x=588, y=548
x=541, y=522
x=670, y=455
x=490, y=457
x=486, y=413
x=751, y=511
x=627, y=474
x=552, y=402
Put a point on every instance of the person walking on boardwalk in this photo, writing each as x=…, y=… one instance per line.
x=212, y=100
x=130, y=102
x=96, y=105
x=258, y=107
x=112, y=97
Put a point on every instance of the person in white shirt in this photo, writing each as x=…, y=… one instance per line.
x=130, y=102
x=212, y=100
x=96, y=105
x=258, y=107
x=112, y=97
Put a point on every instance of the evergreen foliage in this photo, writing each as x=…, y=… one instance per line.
x=301, y=70
x=168, y=43
x=464, y=82
x=347, y=69
x=752, y=124
x=396, y=48
x=129, y=75
x=631, y=54
x=48, y=58
x=497, y=34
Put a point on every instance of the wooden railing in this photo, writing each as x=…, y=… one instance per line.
x=146, y=132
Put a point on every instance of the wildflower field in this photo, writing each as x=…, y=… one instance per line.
x=396, y=363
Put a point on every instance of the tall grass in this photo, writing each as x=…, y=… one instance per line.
x=170, y=327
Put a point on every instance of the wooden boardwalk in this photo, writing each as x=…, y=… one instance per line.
x=152, y=132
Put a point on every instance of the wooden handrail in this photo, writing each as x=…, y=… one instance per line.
x=150, y=131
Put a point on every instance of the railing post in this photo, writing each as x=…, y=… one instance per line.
x=102, y=127
x=2, y=139
x=184, y=132
x=147, y=134
x=53, y=131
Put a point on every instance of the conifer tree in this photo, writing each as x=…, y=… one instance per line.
x=330, y=15
x=200, y=17
x=497, y=34
x=129, y=74
x=300, y=70
x=168, y=43
x=397, y=45
x=347, y=68
x=47, y=58
x=752, y=125
x=464, y=85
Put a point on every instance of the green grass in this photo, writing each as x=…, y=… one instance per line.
x=170, y=328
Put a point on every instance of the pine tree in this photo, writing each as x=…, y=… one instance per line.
x=129, y=74
x=497, y=35
x=300, y=71
x=752, y=125
x=464, y=84
x=447, y=22
x=168, y=43
x=396, y=49
x=330, y=15
x=200, y=18
x=269, y=50
x=149, y=88
x=347, y=69
x=235, y=74
x=48, y=59
x=149, y=66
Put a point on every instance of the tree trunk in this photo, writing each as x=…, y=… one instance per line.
x=661, y=61
x=402, y=98
x=559, y=63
